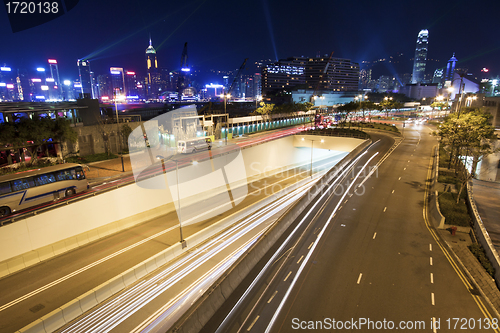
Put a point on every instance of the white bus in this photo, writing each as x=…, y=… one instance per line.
x=29, y=188
x=194, y=145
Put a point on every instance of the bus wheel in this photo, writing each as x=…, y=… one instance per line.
x=194, y=151
x=69, y=192
x=4, y=211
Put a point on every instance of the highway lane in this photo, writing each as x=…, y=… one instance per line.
x=36, y=291
x=377, y=259
x=161, y=297
x=281, y=267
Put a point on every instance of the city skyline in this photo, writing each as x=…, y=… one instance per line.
x=117, y=36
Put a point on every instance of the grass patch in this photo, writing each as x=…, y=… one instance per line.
x=444, y=157
x=447, y=177
x=478, y=251
x=91, y=158
x=455, y=214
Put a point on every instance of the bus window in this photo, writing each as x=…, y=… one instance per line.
x=22, y=184
x=44, y=179
x=5, y=188
x=79, y=173
x=63, y=175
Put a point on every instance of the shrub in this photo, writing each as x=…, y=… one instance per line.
x=455, y=214
x=26, y=167
x=478, y=251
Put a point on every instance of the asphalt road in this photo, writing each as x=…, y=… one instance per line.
x=38, y=290
x=367, y=257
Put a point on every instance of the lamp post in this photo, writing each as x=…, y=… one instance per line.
x=121, y=98
x=312, y=147
x=387, y=99
x=470, y=99
x=160, y=157
x=226, y=96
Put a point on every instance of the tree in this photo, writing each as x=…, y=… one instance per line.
x=347, y=108
x=125, y=131
x=439, y=105
x=367, y=105
x=467, y=135
x=32, y=133
x=265, y=109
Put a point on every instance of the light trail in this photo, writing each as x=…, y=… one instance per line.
x=311, y=251
x=221, y=328
x=119, y=309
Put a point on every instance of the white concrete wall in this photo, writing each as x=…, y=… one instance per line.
x=53, y=232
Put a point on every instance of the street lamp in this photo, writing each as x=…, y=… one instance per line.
x=160, y=157
x=387, y=99
x=119, y=98
x=312, y=147
x=470, y=99
x=226, y=96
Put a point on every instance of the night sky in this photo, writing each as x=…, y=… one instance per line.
x=222, y=33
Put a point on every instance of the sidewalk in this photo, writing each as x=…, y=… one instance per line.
x=108, y=169
x=483, y=283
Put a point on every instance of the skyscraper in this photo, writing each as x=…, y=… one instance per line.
x=420, y=57
x=450, y=68
x=54, y=74
x=86, y=81
x=118, y=81
x=153, y=76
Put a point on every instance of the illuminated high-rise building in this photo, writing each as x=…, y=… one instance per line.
x=131, y=85
x=420, y=57
x=153, y=76
x=85, y=79
x=54, y=74
x=450, y=68
x=118, y=80
x=105, y=87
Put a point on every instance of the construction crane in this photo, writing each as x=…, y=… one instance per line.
x=181, y=80
x=236, y=78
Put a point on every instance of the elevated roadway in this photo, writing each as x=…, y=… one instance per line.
x=366, y=253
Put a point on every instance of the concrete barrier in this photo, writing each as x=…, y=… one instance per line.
x=71, y=310
x=34, y=327
x=210, y=301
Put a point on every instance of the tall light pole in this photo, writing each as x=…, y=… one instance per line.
x=121, y=98
x=160, y=157
x=312, y=147
x=387, y=99
x=226, y=96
